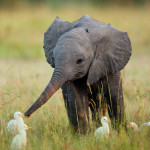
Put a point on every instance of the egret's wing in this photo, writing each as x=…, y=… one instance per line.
x=99, y=133
x=12, y=126
x=21, y=121
x=147, y=123
x=16, y=143
x=144, y=124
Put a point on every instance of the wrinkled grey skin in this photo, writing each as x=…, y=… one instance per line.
x=88, y=56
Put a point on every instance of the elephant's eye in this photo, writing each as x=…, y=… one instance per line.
x=79, y=61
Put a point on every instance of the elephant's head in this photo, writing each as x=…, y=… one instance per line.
x=94, y=51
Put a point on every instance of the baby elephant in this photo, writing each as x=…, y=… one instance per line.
x=88, y=56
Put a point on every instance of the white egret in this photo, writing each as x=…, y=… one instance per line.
x=20, y=140
x=14, y=124
x=135, y=126
x=102, y=132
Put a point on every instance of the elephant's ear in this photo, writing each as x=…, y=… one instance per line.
x=51, y=36
x=112, y=49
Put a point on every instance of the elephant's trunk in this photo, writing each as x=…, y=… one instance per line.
x=55, y=83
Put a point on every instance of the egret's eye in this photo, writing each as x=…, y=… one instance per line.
x=80, y=60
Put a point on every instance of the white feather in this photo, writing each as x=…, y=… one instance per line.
x=14, y=124
x=102, y=132
x=143, y=125
x=20, y=140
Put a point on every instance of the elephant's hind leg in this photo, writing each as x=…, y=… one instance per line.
x=115, y=101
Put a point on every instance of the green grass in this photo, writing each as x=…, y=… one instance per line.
x=21, y=82
x=24, y=73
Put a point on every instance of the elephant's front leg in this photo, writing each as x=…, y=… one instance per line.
x=115, y=101
x=76, y=103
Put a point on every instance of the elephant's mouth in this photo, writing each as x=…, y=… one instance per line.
x=79, y=75
x=67, y=82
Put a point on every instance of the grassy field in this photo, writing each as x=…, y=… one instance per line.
x=24, y=73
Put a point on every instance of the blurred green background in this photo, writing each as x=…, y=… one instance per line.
x=23, y=22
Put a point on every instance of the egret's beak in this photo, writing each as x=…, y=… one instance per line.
x=22, y=115
x=128, y=125
x=29, y=127
x=108, y=121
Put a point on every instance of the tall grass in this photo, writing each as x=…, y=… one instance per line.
x=23, y=81
x=24, y=73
